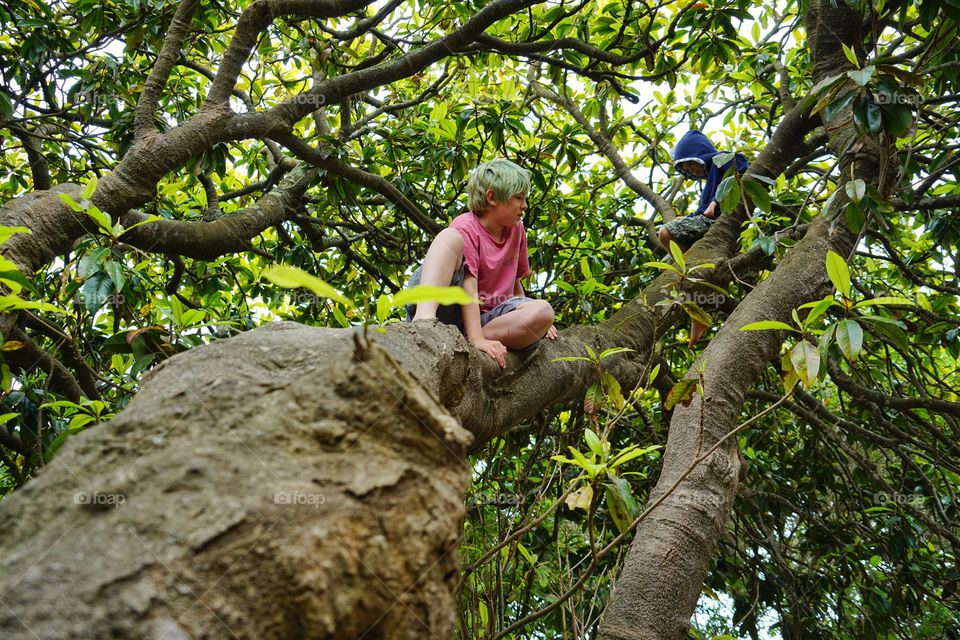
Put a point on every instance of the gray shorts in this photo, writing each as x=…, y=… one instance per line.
x=689, y=229
x=453, y=314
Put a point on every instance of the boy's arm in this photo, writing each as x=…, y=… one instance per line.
x=471, y=324
x=517, y=288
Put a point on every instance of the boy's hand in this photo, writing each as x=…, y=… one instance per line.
x=552, y=332
x=711, y=210
x=492, y=348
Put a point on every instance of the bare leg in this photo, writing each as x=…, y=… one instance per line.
x=666, y=238
x=521, y=327
x=441, y=260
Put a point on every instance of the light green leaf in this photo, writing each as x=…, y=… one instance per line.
x=661, y=265
x=613, y=351
x=767, y=324
x=885, y=300
x=292, y=278
x=856, y=189
x=850, y=55
x=427, y=293
x=806, y=362
x=6, y=232
x=593, y=441
x=678, y=255
x=849, y=338
x=839, y=273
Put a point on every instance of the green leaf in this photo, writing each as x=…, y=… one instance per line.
x=884, y=301
x=723, y=158
x=427, y=293
x=757, y=194
x=620, y=503
x=818, y=308
x=681, y=393
x=854, y=216
x=612, y=387
x=96, y=291
x=593, y=441
x=767, y=324
x=292, y=278
x=897, y=119
x=614, y=351
x=728, y=194
x=856, y=189
x=806, y=362
x=849, y=338
x=115, y=271
x=89, y=188
x=838, y=273
x=6, y=232
x=850, y=55
x=677, y=255
x=697, y=313
x=861, y=76
x=837, y=105
x=661, y=265
x=767, y=244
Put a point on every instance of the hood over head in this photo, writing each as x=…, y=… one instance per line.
x=694, y=147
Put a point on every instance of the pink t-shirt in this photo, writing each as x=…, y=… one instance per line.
x=495, y=263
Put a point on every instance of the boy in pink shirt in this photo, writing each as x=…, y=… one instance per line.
x=485, y=251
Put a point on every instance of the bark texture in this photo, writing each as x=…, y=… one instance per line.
x=285, y=484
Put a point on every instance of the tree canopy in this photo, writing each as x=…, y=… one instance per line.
x=160, y=158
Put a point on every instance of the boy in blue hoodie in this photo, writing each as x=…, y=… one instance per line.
x=693, y=158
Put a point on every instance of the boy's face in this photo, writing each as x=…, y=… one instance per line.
x=693, y=168
x=506, y=214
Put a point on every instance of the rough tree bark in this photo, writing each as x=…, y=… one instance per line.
x=657, y=591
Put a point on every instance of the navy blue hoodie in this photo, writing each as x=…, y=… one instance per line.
x=697, y=147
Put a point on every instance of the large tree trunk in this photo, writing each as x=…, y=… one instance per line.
x=287, y=483
x=660, y=584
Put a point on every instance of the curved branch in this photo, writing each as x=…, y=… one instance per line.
x=881, y=399
x=143, y=119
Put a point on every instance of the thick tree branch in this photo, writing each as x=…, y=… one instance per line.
x=143, y=119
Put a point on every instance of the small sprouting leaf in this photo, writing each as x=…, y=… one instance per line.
x=838, y=273
x=383, y=308
x=582, y=498
x=850, y=55
x=806, y=362
x=653, y=374
x=681, y=393
x=850, y=338
x=767, y=324
x=427, y=293
x=292, y=278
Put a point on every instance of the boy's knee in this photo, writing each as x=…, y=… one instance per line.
x=541, y=314
x=665, y=237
